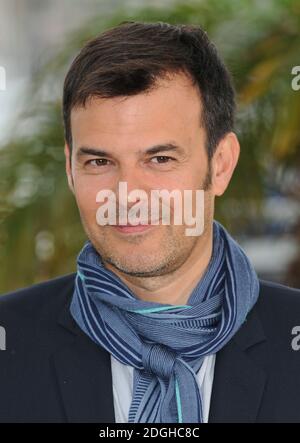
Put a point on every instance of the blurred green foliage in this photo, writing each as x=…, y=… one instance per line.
x=40, y=230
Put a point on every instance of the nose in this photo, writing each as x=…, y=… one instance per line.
x=133, y=177
x=131, y=180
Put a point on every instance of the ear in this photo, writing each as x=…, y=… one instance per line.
x=224, y=162
x=68, y=155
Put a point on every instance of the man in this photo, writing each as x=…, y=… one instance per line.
x=155, y=325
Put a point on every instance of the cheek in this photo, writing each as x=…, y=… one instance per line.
x=191, y=176
x=85, y=193
x=87, y=187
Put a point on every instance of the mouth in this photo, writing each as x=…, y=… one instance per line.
x=133, y=229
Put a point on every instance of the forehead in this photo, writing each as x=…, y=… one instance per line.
x=171, y=109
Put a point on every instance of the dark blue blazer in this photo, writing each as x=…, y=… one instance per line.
x=52, y=372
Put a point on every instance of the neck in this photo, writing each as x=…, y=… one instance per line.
x=174, y=288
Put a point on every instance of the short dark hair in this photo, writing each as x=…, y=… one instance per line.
x=128, y=59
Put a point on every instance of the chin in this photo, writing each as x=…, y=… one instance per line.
x=137, y=264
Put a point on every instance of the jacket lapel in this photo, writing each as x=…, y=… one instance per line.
x=238, y=382
x=83, y=373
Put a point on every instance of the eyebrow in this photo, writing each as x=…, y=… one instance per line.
x=86, y=150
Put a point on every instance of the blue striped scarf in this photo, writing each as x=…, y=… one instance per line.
x=166, y=344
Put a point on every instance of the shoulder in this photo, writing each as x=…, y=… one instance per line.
x=31, y=299
x=278, y=307
x=277, y=298
x=30, y=316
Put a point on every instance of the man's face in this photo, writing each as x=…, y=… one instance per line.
x=126, y=128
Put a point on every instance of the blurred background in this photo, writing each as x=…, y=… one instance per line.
x=40, y=229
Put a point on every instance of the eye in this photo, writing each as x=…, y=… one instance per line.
x=162, y=158
x=98, y=162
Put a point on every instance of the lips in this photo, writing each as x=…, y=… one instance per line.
x=132, y=228
x=141, y=223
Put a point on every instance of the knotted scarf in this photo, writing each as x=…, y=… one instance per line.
x=166, y=344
